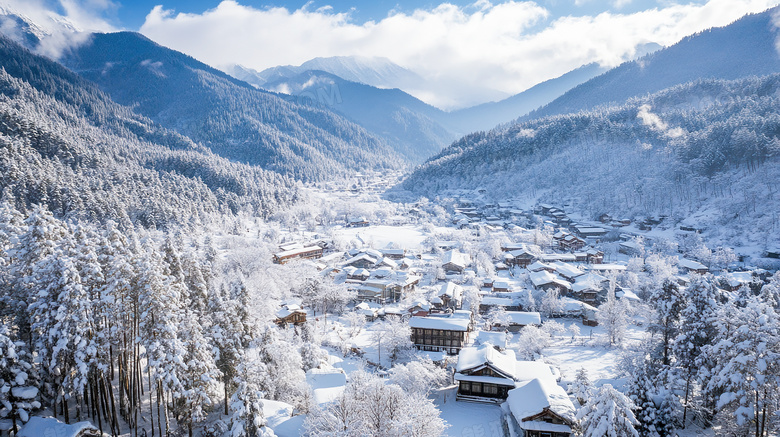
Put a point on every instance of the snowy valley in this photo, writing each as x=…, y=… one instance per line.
x=183, y=253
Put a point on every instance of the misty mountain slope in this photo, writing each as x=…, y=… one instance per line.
x=229, y=116
x=375, y=71
x=65, y=144
x=707, y=152
x=743, y=48
x=415, y=129
x=489, y=115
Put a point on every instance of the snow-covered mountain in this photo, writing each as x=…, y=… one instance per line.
x=744, y=48
x=68, y=147
x=488, y=115
x=233, y=119
x=375, y=71
x=414, y=128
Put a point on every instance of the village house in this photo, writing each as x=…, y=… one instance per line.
x=361, y=261
x=541, y=408
x=308, y=252
x=454, y=261
x=485, y=374
x=519, y=257
x=544, y=280
x=290, y=314
x=692, y=266
x=519, y=319
x=448, y=333
x=449, y=295
x=357, y=222
x=500, y=287
x=490, y=302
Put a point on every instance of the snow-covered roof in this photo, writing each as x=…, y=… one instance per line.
x=288, y=310
x=536, y=395
x=565, y=257
x=471, y=358
x=544, y=277
x=451, y=289
x=360, y=257
x=496, y=338
x=497, y=301
x=524, y=318
x=691, y=264
x=588, y=281
x=297, y=251
x=625, y=293
x=567, y=270
x=607, y=267
x=455, y=258
x=44, y=426
x=575, y=307
x=735, y=279
x=538, y=265
x=501, y=284
x=447, y=323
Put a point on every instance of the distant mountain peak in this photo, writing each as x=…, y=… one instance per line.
x=376, y=71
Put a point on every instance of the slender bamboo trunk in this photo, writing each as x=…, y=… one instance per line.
x=685, y=407
x=226, y=395
x=114, y=414
x=151, y=403
x=159, y=418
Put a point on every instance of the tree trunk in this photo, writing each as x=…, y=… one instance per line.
x=685, y=407
x=226, y=395
x=151, y=403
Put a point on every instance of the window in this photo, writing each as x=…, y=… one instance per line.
x=490, y=389
x=476, y=387
x=465, y=387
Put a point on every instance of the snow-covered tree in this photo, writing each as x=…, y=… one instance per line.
x=613, y=316
x=581, y=388
x=608, y=413
x=551, y=302
x=392, y=335
x=697, y=330
x=419, y=375
x=246, y=405
x=18, y=391
x=747, y=370
x=531, y=342
x=668, y=302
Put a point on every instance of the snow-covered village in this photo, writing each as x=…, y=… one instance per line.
x=465, y=219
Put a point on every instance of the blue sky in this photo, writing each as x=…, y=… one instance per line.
x=130, y=14
x=468, y=51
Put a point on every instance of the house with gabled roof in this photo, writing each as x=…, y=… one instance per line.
x=448, y=333
x=454, y=261
x=485, y=374
x=544, y=280
x=541, y=408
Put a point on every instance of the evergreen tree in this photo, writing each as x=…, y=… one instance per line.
x=581, y=388
x=699, y=318
x=608, y=413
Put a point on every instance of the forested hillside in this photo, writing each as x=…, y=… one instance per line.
x=706, y=151
x=230, y=117
x=741, y=49
x=66, y=145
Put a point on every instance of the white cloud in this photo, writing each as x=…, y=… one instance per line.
x=654, y=122
x=465, y=50
x=59, y=31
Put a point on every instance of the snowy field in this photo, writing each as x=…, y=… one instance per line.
x=382, y=237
